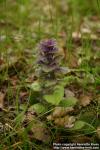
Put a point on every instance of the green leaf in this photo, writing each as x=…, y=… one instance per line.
x=35, y=86
x=34, y=97
x=69, y=102
x=67, y=80
x=20, y=118
x=90, y=117
x=86, y=128
x=50, y=83
x=56, y=97
x=78, y=125
x=39, y=108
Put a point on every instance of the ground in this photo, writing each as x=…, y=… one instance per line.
x=25, y=121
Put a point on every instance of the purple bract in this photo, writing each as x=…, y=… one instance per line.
x=48, y=46
x=48, y=58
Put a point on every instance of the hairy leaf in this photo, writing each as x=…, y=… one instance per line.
x=56, y=97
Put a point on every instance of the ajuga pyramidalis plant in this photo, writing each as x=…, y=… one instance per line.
x=49, y=71
x=49, y=59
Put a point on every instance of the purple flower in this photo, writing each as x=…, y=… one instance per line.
x=48, y=58
x=48, y=46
